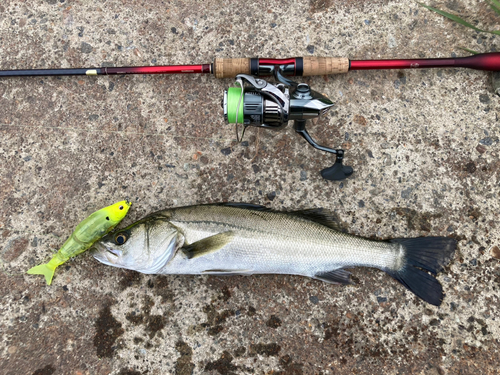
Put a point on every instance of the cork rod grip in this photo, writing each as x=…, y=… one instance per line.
x=318, y=66
x=227, y=68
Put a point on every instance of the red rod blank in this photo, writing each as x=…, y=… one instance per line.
x=484, y=61
x=168, y=69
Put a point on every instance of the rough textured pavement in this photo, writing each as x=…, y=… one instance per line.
x=424, y=146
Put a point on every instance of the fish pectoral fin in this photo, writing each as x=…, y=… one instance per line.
x=227, y=272
x=338, y=276
x=208, y=245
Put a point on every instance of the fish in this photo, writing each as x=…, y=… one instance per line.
x=247, y=239
x=83, y=237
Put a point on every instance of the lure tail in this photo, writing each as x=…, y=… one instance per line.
x=424, y=254
x=46, y=270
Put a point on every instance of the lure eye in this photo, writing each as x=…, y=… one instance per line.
x=120, y=238
x=121, y=208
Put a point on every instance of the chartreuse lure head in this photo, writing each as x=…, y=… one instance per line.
x=90, y=230
x=117, y=211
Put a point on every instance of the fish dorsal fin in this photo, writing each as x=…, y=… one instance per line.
x=208, y=245
x=321, y=216
x=246, y=206
x=338, y=276
x=318, y=215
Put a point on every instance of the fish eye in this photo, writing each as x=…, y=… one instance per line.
x=121, y=208
x=120, y=238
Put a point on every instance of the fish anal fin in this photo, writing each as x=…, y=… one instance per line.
x=208, y=245
x=338, y=276
x=227, y=272
x=321, y=216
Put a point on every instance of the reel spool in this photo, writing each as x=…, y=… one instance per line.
x=269, y=106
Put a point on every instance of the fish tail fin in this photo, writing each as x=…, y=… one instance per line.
x=46, y=270
x=422, y=254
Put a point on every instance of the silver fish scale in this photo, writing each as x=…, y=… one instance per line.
x=272, y=242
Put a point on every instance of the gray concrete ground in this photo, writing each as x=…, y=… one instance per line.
x=424, y=145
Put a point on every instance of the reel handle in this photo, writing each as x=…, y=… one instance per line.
x=338, y=171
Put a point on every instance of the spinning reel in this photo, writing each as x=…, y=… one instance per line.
x=270, y=106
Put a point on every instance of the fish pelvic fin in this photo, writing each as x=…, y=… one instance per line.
x=423, y=254
x=46, y=270
x=208, y=245
x=338, y=276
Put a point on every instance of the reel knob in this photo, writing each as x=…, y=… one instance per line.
x=337, y=171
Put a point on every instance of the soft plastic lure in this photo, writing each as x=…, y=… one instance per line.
x=83, y=237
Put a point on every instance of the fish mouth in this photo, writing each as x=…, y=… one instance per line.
x=103, y=254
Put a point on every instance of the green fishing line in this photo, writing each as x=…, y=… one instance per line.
x=233, y=97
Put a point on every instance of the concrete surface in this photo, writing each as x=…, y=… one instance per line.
x=424, y=145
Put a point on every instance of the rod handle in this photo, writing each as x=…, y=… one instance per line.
x=313, y=66
x=318, y=66
x=229, y=68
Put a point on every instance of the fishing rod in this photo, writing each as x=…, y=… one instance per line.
x=262, y=104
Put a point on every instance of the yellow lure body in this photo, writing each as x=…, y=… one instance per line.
x=83, y=237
